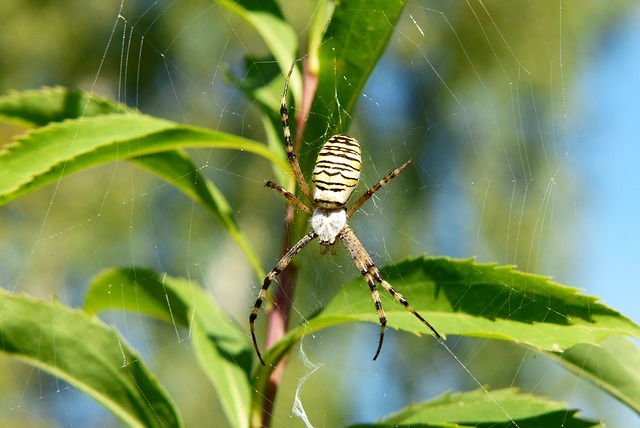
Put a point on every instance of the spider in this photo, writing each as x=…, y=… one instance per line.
x=335, y=176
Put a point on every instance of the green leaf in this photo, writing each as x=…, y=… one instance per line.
x=266, y=18
x=43, y=106
x=264, y=80
x=353, y=43
x=263, y=84
x=319, y=22
x=176, y=168
x=86, y=353
x=612, y=365
x=52, y=152
x=48, y=154
x=500, y=408
x=220, y=345
x=462, y=297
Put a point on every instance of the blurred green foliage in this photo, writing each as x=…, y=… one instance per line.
x=480, y=94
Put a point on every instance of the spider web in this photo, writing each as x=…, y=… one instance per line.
x=523, y=155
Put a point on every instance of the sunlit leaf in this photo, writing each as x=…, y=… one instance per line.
x=86, y=353
x=500, y=408
x=221, y=347
x=46, y=155
x=612, y=365
x=463, y=297
x=354, y=41
x=43, y=106
x=101, y=135
x=264, y=80
x=319, y=21
x=266, y=18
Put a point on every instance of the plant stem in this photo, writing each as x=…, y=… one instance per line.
x=278, y=317
x=278, y=314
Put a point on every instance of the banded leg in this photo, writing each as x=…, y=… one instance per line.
x=369, y=193
x=293, y=199
x=291, y=155
x=371, y=274
x=280, y=266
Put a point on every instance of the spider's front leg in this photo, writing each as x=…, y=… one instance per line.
x=290, y=197
x=280, y=266
x=379, y=185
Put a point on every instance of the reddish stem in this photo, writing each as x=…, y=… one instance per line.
x=278, y=316
x=279, y=313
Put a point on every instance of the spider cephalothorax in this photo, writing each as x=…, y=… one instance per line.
x=335, y=177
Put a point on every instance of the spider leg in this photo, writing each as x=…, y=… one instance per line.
x=400, y=298
x=363, y=262
x=280, y=266
x=372, y=275
x=293, y=199
x=291, y=155
x=369, y=193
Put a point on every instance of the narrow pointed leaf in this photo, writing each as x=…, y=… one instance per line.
x=220, y=345
x=50, y=153
x=39, y=107
x=353, y=43
x=465, y=298
x=86, y=353
x=500, y=408
x=483, y=300
x=266, y=18
x=612, y=365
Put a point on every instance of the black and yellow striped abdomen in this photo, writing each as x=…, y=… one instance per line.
x=337, y=171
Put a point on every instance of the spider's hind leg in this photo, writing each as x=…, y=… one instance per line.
x=365, y=265
x=371, y=274
x=404, y=302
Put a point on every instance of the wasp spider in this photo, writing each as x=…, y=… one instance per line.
x=335, y=176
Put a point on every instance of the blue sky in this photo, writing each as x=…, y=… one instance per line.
x=610, y=154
